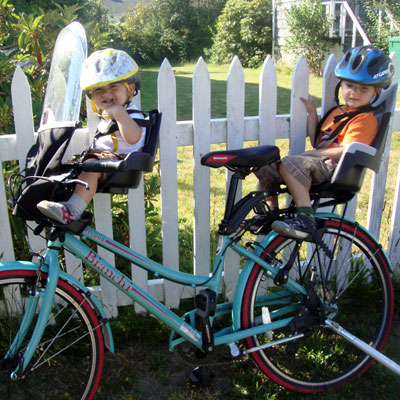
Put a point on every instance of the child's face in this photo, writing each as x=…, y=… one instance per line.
x=115, y=93
x=356, y=95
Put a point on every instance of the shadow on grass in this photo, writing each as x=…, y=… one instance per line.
x=143, y=368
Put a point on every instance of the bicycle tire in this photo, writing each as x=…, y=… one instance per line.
x=69, y=359
x=359, y=277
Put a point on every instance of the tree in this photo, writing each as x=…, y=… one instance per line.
x=379, y=27
x=177, y=29
x=27, y=38
x=309, y=27
x=244, y=29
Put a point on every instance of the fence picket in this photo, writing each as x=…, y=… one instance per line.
x=24, y=130
x=298, y=116
x=235, y=136
x=394, y=239
x=377, y=198
x=201, y=175
x=268, y=96
x=169, y=182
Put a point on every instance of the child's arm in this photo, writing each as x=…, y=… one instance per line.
x=312, y=119
x=332, y=152
x=128, y=128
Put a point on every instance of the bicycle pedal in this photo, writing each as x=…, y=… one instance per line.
x=201, y=376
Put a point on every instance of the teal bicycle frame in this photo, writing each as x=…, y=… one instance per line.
x=180, y=325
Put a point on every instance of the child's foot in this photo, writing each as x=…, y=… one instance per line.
x=56, y=211
x=299, y=227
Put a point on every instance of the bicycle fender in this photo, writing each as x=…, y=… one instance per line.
x=31, y=266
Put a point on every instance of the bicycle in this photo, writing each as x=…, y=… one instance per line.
x=289, y=300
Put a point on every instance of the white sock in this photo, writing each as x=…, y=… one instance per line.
x=76, y=205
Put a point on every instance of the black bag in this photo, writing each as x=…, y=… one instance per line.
x=44, y=160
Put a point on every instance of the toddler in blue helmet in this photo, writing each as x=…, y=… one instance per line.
x=362, y=72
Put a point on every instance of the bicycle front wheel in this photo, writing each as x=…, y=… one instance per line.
x=353, y=288
x=68, y=361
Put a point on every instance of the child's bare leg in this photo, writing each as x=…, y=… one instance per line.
x=272, y=202
x=72, y=209
x=92, y=179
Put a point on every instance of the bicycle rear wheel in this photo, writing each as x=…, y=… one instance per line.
x=69, y=359
x=354, y=289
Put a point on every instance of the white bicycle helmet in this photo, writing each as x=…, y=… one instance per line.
x=107, y=66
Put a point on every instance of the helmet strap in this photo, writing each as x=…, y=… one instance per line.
x=94, y=108
x=337, y=93
x=131, y=93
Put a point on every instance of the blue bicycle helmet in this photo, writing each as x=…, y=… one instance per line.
x=366, y=65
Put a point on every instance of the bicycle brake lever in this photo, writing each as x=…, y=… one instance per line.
x=79, y=182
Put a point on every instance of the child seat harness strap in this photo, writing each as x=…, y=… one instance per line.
x=112, y=127
x=346, y=116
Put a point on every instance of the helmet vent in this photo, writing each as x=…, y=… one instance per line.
x=358, y=60
x=374, y=66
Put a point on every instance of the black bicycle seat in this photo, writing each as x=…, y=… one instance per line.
x=252, y=157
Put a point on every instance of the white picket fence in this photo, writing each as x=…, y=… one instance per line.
x=233, y=130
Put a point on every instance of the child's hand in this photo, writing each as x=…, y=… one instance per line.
x=309, y=103
x=114, y=111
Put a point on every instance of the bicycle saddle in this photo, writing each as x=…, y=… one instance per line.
x=252, y=157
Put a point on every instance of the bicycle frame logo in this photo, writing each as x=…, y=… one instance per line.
x=120, y=280
x=95, y=260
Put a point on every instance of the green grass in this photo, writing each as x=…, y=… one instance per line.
x=218, y=76
x=144, y=369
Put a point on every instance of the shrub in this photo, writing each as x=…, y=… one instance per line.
x=309, y=32
x=378, y=25
x=244, y=29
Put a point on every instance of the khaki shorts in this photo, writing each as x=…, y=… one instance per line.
x=307, y=170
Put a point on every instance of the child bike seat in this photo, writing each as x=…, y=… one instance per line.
x=348, y=176
x=126, y=173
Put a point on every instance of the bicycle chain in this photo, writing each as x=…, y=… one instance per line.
x=187, y=353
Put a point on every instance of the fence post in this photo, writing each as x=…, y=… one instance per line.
x=267, y=106
x=23, y=120
x=235, y=134
x=169, y=183
x=377, y=198
x=103, y=223
x=201, y=175
x=298, y=114
x=7, y=247
x=394, y=237
x=137, y=234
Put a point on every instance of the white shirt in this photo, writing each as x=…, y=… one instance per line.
x=106, y=143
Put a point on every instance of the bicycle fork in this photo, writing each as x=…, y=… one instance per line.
x=47, y=296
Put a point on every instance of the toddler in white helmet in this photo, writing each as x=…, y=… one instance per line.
x=111, y=79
